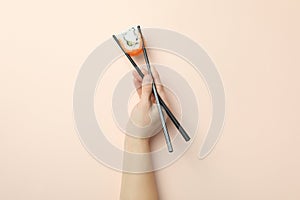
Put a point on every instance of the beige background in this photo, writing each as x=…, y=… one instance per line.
x=255, y=45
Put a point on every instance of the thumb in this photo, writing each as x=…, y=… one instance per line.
x=146, y=90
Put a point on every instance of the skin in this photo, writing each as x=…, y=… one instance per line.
x=141, y=186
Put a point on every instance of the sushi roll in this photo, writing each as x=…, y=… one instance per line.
x=130, y=41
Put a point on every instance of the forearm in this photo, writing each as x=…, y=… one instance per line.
x=137, y=186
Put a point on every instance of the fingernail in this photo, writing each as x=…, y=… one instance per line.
x=147, y=79
x=144, y=67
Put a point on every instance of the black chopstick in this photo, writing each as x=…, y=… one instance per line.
x=169, y=113
x=129, y=58
x=162, y=118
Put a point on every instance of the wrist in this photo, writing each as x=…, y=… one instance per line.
x=137, y=145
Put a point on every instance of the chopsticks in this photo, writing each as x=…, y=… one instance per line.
x=162, y=118
x=160, y=100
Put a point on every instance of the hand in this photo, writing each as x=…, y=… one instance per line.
x=144, y=120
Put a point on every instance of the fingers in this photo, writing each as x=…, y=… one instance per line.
x=136, y=76
x=159, y=86
x=138, y=86
x=146, y=90
x=144, y=71
x=137, y=81
x=155, y=74
x=157, y=80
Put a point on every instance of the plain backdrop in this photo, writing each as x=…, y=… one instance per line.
x=255, y=46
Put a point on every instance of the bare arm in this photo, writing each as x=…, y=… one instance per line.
x=137, y=186
x=141, y=186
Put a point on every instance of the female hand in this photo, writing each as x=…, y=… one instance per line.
x=144, y=120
